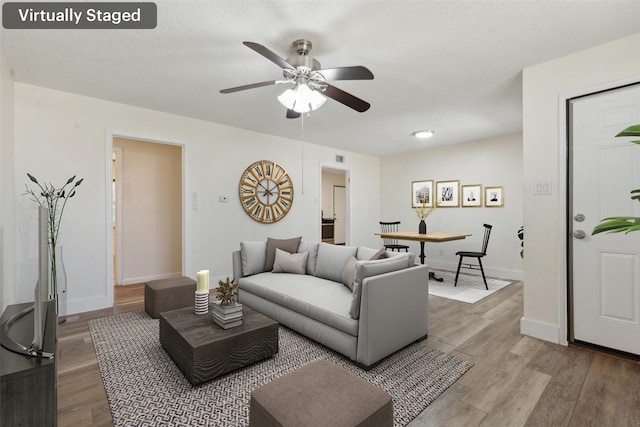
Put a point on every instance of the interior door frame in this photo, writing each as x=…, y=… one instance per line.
x=565, y=292
x=110, y=134
x=347, y=202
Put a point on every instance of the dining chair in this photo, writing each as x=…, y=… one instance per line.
x=477, y=255
x=392, y=244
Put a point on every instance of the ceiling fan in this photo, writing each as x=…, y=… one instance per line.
x=309, y=80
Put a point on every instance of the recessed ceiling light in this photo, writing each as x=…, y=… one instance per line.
x=423, y=134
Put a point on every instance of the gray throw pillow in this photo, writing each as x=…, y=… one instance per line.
x=381, y=254
x=287, y=245
x=312, y=248
x=252, y=255
x=349, y=273
x=332, y=259
x=291, y=263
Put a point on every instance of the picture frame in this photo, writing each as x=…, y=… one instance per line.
x=418, y=190
x=494, y=197
x=471, y=196
x=448, y=194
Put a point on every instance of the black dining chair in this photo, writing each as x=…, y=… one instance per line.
x=477, y=255
x=392, y=244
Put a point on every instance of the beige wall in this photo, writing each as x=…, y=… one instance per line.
x=545, y=87
x=489, y=162
x=151, y=223
x=7, y=183
x=59, y=133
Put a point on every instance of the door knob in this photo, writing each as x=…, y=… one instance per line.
x=579, y=234
x=579, y=217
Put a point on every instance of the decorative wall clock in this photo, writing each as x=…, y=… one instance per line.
x=266, y=191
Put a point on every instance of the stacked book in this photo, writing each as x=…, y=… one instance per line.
x=227, y=315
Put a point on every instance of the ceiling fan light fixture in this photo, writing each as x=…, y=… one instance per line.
x=423, y=134
x=302, y=99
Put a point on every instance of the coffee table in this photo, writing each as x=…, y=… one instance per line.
x=203, y=350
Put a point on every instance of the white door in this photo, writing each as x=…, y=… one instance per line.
x=339, y=214
x=605, y=267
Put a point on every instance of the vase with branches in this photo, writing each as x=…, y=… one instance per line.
x=423, y=211
x=626, y=224
x=55, y=200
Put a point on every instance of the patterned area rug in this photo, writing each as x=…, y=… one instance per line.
x=470, y=288
x=145, y=388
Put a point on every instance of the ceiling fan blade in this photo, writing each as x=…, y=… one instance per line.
x=293, y=114
x=346, y=98
x=251, y=86
x=357, y=72
x=281, y=62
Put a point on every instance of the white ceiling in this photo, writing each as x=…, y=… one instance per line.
x=452, y=66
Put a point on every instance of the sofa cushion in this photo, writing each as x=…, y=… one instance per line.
x=366, y=269
x=381, y=254
x=288, y=245
x=332, y=260
x=312, y=248
x=290, y=263
x=320, y=299
x=252, y=255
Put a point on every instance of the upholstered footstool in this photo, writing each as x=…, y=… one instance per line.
x=320, y=394
x=168, y=294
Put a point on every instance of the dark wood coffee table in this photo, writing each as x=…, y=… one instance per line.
x=203, y=350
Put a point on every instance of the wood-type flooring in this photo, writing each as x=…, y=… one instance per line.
x=516, y=380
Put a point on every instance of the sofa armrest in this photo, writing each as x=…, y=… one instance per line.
x=393, y=312
x=237, y=264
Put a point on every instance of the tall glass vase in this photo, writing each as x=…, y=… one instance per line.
x=59, y=281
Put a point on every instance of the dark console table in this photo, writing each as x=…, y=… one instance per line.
x=28, y=384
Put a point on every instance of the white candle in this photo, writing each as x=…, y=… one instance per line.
x=203, y=281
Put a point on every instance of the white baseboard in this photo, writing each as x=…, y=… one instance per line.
x=540, y=330
x=88, y=304
x=500, y=273
x=144, y=279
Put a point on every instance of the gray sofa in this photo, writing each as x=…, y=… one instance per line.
x=362, y=302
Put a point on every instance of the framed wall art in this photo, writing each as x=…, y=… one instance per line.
x=448, y=194
x=494, y=197
x=421, y=191
x=472, y=196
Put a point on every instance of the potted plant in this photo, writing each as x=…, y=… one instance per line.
x=618, y=224
x=55, y=201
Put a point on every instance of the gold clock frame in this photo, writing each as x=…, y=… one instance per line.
x=266, y=191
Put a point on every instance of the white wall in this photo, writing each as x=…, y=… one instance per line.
x=59, y=134
x=545, y=87
x=7, y=234
x=491, y=162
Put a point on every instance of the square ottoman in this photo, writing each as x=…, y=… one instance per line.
x=168, y=294
x=320, y=394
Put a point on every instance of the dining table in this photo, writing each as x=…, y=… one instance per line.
x=432, y=237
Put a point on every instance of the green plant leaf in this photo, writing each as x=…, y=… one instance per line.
x=70, y=180
x=630, y=131
x=625, y=224
x=32, y=178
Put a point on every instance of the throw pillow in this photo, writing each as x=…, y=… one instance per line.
x=287, y=245
x=292, y=263
x=332, y=259
x=252, y=255
x=312, y=248
x=381, y=254
x=349, y=273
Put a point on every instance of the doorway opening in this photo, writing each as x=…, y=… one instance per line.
x=334, y=211
x=147, y=210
